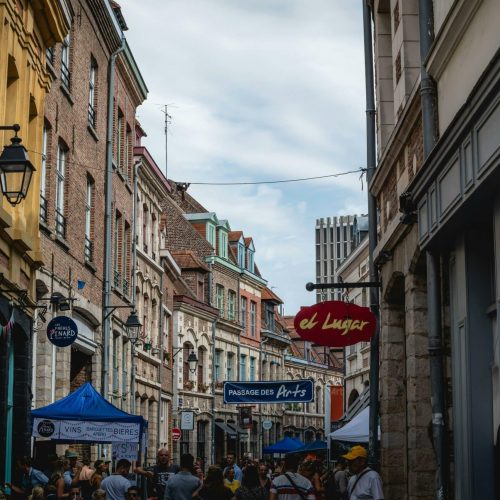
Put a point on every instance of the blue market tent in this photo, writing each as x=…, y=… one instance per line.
x=313, y=446
x=83, y=416
x=286, y=445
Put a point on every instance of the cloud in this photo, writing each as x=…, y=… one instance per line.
x=260, y=90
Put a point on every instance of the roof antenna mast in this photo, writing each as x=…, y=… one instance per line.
x=168, y=121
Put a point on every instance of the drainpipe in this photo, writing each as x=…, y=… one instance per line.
x=430, y=135
x=106, y=320
x=373, y=458
x=137, y=166
x=160, y=366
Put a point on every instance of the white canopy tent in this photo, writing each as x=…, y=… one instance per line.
x=357, y=430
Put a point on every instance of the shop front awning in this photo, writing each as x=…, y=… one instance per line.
x=226, y=429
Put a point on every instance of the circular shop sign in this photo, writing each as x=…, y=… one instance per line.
x=267, y=424
x=62, y=331
x=46, y=428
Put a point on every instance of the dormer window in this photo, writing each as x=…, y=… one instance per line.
x=241, y=255
x=223, y=242
x=250, y=261
x=211, y=234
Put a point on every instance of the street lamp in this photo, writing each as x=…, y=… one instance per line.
x=16, y=169
x=133, y=326
x=193, y=362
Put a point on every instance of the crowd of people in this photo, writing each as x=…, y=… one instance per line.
x=293, y=478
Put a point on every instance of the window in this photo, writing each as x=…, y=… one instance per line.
x=241, y=255
x=65, y=73
x=201, y=433
x=125, y=260
x=243, y=367
x=124, y=364
x=60, y=192
x=117, y=251
x=252, y=368
x=89, y=203
x=244, y=313
x=116, y=362
x=201, y=364
x=186, y=350
x=230, y=363
x=231, y=305
x=219, y=299
x=222, y=244
x=253, y=317
x=92, y=93
x=250, y=259
x=119, y=140
x=43, y=175
x=127, y=171
x=217, y=363
x=270, y=317
x=211, y=233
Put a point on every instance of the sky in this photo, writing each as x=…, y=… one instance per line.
x=258, y=90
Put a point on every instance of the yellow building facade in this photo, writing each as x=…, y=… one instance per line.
x=27, y=29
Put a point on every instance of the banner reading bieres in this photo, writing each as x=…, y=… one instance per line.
x=75, y=430
x=287, y=391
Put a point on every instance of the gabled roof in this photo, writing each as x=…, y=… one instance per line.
x=203, y=216
x=236, y=236
x=249, y=243
x=187, y=259
x=224, y=224
x=268, y=294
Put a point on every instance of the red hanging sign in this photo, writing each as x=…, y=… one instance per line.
x=335, y=324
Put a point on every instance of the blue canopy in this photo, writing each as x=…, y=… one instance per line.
x=286, y=445
x=313, y=446
x=85, y=404
x=84, y=415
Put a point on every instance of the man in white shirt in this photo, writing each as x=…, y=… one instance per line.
x=365, y=483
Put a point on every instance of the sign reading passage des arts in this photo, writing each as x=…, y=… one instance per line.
x=62, y=331
x=335, y=324
x=288, y=391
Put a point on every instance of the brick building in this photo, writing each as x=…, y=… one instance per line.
x=72, y=203
x=27, y=32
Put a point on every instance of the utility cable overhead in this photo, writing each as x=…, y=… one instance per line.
x=253, y=183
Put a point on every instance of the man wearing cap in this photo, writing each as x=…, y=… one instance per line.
x=365, y=482
x=72, y=475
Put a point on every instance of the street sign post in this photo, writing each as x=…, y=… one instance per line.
x=286, y=391
x=176, y=434
x=187, y=420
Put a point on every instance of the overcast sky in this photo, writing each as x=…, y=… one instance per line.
x=258, y=90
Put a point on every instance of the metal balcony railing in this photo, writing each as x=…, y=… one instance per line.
x=126, y=288
x=118, y=279
x=60, y=224
x=91, y=116
x=65, y=75
x=89, y=250
x=43, y=209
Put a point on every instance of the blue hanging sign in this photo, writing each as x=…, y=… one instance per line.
x=62, y=331
x=286, y=391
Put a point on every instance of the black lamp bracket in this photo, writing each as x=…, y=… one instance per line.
x=113, y=308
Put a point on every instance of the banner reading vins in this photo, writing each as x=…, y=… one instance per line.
x=287, y=391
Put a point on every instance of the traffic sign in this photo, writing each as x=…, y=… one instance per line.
x=267, y=424
x=176, y=434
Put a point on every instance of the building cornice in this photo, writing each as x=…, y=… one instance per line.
x=192, y=306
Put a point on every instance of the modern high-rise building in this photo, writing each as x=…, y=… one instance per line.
x=336, y=238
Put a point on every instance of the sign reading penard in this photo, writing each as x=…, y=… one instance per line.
x=335, y=324
x=62, y=331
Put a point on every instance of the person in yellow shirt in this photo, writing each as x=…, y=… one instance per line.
x=230, y=482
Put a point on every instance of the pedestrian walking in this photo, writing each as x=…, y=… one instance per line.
x=182, y=485
x=117, y=484
x=291, y=485
x=230, y=481
x=365, y=482
x=251, y=489
x=158, y=474
x=213, y=488
x=264, y=474
x=336, y=482
x=231, y=462
x=31, y=478
x=98, y=475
